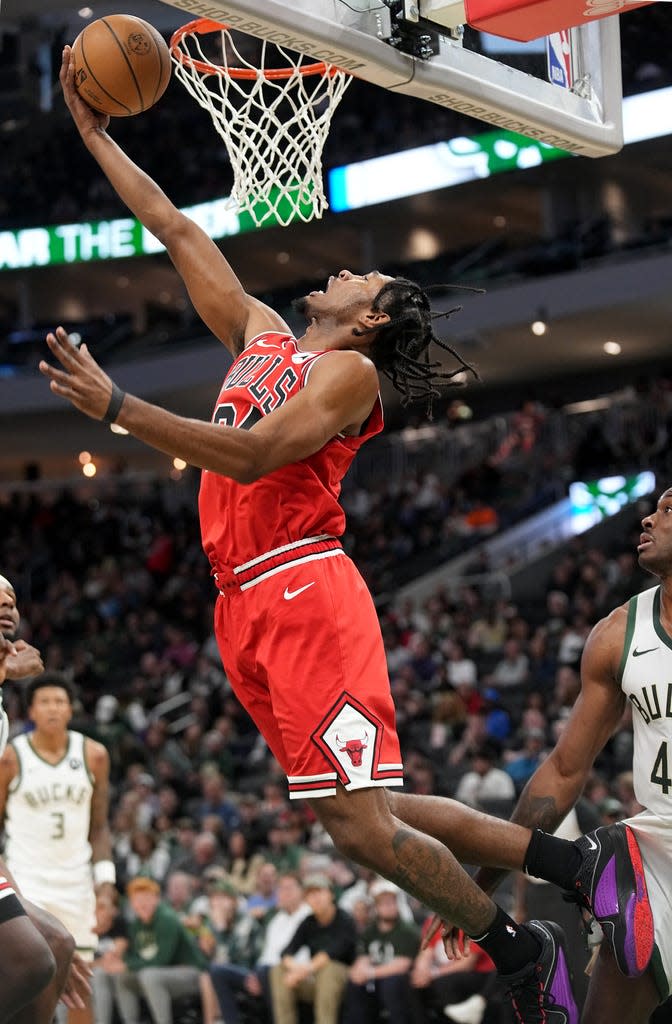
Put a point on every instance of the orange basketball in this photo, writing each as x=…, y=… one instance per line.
x=122, y=65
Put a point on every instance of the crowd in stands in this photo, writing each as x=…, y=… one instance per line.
x=116, y=593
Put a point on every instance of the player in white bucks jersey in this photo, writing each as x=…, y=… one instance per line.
x=621, y=873
x=54, y=796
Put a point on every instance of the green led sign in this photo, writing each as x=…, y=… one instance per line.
x=117, y=239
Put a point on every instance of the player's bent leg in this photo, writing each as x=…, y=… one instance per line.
x=28, y=965
x=363, y=829
x=473, y=837
x=531, y=958
x=41, y=1008
x=613, y=997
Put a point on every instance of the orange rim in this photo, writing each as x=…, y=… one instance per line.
x=202, y=26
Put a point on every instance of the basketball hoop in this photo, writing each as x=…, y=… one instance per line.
x=273, y=115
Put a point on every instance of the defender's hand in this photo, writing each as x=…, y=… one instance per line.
x=455, y=942
x=81, y=380
x=26, y=661
x=77, y=988
x=85, y=117
x=6, y=650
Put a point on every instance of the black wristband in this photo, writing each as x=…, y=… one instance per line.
x=116, y=401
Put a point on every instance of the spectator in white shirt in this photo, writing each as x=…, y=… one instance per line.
x=230, y=979
x=460, y=670
x=486, y=787
x=512, y=670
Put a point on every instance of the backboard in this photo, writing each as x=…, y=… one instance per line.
x=393, y=44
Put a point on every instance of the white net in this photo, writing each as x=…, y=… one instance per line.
x=273, y=110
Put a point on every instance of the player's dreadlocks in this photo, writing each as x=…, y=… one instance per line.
x=400, y=349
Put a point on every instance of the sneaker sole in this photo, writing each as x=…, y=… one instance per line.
x=621, y=905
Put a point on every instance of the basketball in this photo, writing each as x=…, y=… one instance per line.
x=122, y=65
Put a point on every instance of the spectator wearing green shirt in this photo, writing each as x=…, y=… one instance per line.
x=162, y=959
x=380, y=976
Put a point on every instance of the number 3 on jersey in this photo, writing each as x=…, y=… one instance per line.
x=58, y=825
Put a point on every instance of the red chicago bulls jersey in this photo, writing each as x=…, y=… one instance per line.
x=241, y=522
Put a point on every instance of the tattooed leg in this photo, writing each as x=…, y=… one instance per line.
x=362, y=827
x=474, y=837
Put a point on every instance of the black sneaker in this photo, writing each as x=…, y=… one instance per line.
x=542, y=992
x=612, y=885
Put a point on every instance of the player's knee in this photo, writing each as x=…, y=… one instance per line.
x=56, y=935
x=37, y=967
x=62, y=945
x=45, y=968
x=359, y=823
x=350, y=839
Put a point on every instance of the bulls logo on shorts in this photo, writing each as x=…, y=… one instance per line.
x=351, y=738
x=354, y=748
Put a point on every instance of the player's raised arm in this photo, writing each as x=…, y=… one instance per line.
x=339, y=397
x=217, y=294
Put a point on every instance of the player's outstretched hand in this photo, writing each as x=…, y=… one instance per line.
x=81, y=380
x=83, y=115
x=77, y=986
x=25, y=662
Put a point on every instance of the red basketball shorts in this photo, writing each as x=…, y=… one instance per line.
x=302, y=648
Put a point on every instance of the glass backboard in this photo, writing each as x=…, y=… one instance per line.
x=396, y=45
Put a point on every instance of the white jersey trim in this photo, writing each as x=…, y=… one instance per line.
x=326, y=777
x=289, y=565
x=281, y=550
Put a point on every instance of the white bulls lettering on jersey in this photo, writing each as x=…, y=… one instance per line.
x=245, y=369
x=257, y=386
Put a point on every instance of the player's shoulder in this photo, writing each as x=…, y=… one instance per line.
x=611, y=626
x=347, y=363
x=95, y=753
x=614, y=623
x=605, y=643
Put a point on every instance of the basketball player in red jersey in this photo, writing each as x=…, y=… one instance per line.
x=297, y=630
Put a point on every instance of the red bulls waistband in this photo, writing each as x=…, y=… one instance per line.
x=310, y=549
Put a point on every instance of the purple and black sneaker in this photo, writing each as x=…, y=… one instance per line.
x=612, y=885
x=542, y=992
